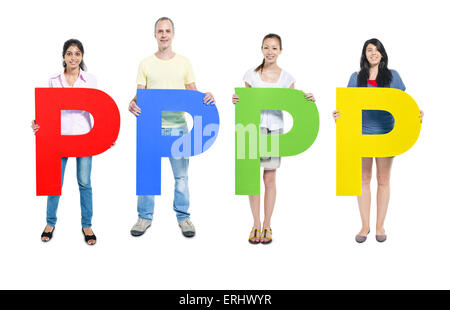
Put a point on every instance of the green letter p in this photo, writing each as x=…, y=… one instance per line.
x=251, y=145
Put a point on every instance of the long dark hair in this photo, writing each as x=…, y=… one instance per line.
x=79, y=45
x=268, y=36
x=384, y=76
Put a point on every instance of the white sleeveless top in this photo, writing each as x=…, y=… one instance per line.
x=270, y=119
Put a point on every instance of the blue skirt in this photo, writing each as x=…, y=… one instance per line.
x=376, y=122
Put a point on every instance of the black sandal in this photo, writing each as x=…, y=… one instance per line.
x=89, y=237
x=49, y=235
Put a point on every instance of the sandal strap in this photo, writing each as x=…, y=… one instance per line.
x=47, y=234
x=265, y=233
x=90, y=237
x=253, y=234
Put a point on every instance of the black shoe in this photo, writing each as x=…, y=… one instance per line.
x=49, y=235
x=89, y=237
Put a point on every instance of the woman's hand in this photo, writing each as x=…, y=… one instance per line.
x=336, y=114
x=209, y=99
x=235, y=98
x=310, y=96
x=421, y=116
x=133, y=108
x=34, y=126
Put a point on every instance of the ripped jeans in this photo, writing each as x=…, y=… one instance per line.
x=146, y=203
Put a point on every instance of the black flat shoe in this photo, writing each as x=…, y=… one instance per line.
x=89, y=237
x=49, y=235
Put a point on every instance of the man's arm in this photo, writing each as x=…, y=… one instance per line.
x=208, y=99
x=191, y=86
x=132, y=107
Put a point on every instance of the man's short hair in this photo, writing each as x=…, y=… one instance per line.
x=165, y=18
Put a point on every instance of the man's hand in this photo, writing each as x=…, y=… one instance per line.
x=133, y=108
x=209, y=99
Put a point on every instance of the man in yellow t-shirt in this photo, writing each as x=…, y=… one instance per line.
x=167, y=70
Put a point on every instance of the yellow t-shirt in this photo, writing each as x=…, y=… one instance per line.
x=174, y=73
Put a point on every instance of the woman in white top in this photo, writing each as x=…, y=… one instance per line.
x=73, y=123
x=268, y=75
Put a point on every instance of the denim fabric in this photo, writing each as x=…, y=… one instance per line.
x=377, y=122
x=84, y=165
x=146, y=203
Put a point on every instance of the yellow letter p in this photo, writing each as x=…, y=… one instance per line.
x=352, y=145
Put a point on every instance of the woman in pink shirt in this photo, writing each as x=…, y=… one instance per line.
x=73, y=123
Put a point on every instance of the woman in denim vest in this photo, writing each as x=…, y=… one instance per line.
x=374, y=72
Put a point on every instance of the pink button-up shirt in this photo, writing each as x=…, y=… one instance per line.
x=74, y=122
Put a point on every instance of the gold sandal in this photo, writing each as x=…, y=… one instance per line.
x=264, y=236
x=255, y=236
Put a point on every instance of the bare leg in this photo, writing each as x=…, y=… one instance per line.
x=255, y=207
x=364, y=199
x=269, y=198
x=384, y=166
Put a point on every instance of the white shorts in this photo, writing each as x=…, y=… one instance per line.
x=270, y=163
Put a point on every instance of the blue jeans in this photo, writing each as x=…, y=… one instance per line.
x=146, y=203
x=84, y=165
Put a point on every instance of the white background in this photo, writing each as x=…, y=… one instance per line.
x=313, y=230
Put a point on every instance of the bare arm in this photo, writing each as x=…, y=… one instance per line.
x=308, y=96
x=208, y=99
x=236, y=97
x=191, y=86
x=139, y=86
x=132, y=107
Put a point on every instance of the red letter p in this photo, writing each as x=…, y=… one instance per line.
x=51, y=146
